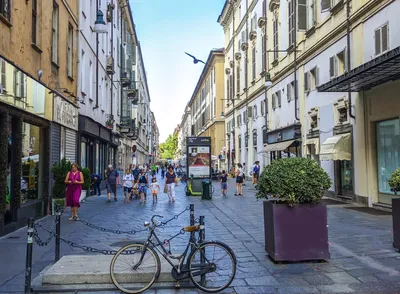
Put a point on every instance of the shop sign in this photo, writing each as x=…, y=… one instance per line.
x=65, y=113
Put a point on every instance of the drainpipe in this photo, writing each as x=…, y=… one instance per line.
x=295, y=61
x=348, y=53
x=97, y=64
x=112, y=53
x=247, y=138
x=233, y=91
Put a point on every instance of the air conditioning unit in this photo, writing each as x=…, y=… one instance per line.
x=110, y=65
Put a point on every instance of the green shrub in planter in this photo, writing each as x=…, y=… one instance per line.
x=59, y=171
x=86, y=176
x=394, y=181
x=293, y=180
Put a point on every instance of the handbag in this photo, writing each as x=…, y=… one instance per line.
x=165, y=189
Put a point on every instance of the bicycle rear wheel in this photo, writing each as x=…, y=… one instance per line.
x=217, y=262
x=128, y=275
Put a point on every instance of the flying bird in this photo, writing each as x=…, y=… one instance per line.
x=195, y=60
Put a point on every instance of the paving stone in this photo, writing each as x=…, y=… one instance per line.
x=293, y=281
x=318, y=279
x=335, y=288
x=297, y=290
x=389, y=278
x=262, y=281
x=342, y=278
x=368, y=279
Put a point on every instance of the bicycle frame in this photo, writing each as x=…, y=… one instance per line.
x=164, y=253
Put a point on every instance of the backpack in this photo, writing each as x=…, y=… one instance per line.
x=255, y=169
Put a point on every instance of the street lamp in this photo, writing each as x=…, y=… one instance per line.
x=222, y=115
x=100, y=26
x=268, y=82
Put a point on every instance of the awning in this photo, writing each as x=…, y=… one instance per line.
x=315, y=142
x=368, y=75
x=277, y=146
x=336, y=148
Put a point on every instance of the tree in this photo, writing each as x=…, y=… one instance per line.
x=169, y=147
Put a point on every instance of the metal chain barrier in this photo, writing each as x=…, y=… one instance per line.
x=51, y=231
x=174, y=217
x=119, y=232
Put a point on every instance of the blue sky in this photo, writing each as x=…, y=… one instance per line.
x=166, y=29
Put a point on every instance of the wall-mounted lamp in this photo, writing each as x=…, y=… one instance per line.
x=222, y=115
x=268, y=82
x=100, y=26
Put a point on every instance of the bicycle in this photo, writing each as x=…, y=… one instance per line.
x=197, y=266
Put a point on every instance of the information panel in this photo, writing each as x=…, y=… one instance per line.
x=199, y=157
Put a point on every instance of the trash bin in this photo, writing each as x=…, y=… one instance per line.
x=206, y=190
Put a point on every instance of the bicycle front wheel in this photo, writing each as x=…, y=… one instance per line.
x=135, y=268
x=212, y=266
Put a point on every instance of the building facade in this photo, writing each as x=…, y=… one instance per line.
x=326, y=95
x=205, y=110
x=38, y=73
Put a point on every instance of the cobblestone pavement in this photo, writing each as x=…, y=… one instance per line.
x=362, y=257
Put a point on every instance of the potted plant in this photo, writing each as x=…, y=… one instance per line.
x=394, y=184
x=295, y=223
x=59, y=171
x=86, y=184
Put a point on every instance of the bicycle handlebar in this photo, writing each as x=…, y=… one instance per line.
x=154, y=216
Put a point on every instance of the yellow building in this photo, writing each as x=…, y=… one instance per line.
x=207, y=105
x=38, y=111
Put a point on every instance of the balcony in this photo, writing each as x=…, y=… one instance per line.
x=125, y=78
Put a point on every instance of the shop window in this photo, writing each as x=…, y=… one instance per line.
x=30, y=162
x=388, y=151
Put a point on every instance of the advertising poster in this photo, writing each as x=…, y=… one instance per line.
x=199, y=161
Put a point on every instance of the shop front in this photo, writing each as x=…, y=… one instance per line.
x=64, y=130
x=25, y=115
x=376, y=136
x=284, y=142
x=95, y=147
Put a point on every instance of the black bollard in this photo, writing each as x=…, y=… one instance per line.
x=202, y=251
x=29, y=251
x=192, y=222
x=58, y=232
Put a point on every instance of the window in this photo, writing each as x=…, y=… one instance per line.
x=276, y=38
x=90, y=80
x=311, y=18
x=388, y=152
x=314, y=121
x=311, y=80
x=228, y=96
x=5, y=9
x=70, y=55
x=231, y=86
x=254, y=23
x=238, y=80
x=34, y=21
x=2, y=75
x=254, y=111
x=262, y=108
x=325, y=5
x=279, y=102
x=302, y=13
x=343, y=115
x=54, y=48
x=253, y=61
x=264, y=52
x=276, y=100
x=381, y=39
x=291, y=18
x=337, y=64
x=19, y=84
x=83, y=80
x=273, y=101
x=290, y=91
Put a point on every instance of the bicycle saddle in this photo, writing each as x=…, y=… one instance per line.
x=191, y=229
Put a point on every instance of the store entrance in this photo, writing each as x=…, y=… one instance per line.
x=345, y=178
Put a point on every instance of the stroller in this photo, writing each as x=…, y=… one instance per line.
x=135, y=191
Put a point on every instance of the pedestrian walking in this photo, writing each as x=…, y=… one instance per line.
x=143, y=183
x=155, y=187
x=239, y=180
x=74, y=180
x=96, y=181
x=112, y=179
x=162, y=172
x=224, y=184
x=256, y=172
x=244, y=169
x=171, y=183
x=127, y=183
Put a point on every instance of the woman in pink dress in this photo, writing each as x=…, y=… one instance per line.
x=74, y=180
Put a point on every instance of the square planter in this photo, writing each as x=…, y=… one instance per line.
x=298, y=233
x=396, y=222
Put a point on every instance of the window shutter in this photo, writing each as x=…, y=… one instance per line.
x=332, y=66
x=385, y=39
x=273, y=101
x=345, y=59
x=302, y=14
x=231, y=86
x=325, y=5
x=227, y=92
x=22, y=85
x=16, y=94
x=378, y=42
x=316, y=76
x=262, y=107
x=278, y=94
x=306, y=88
